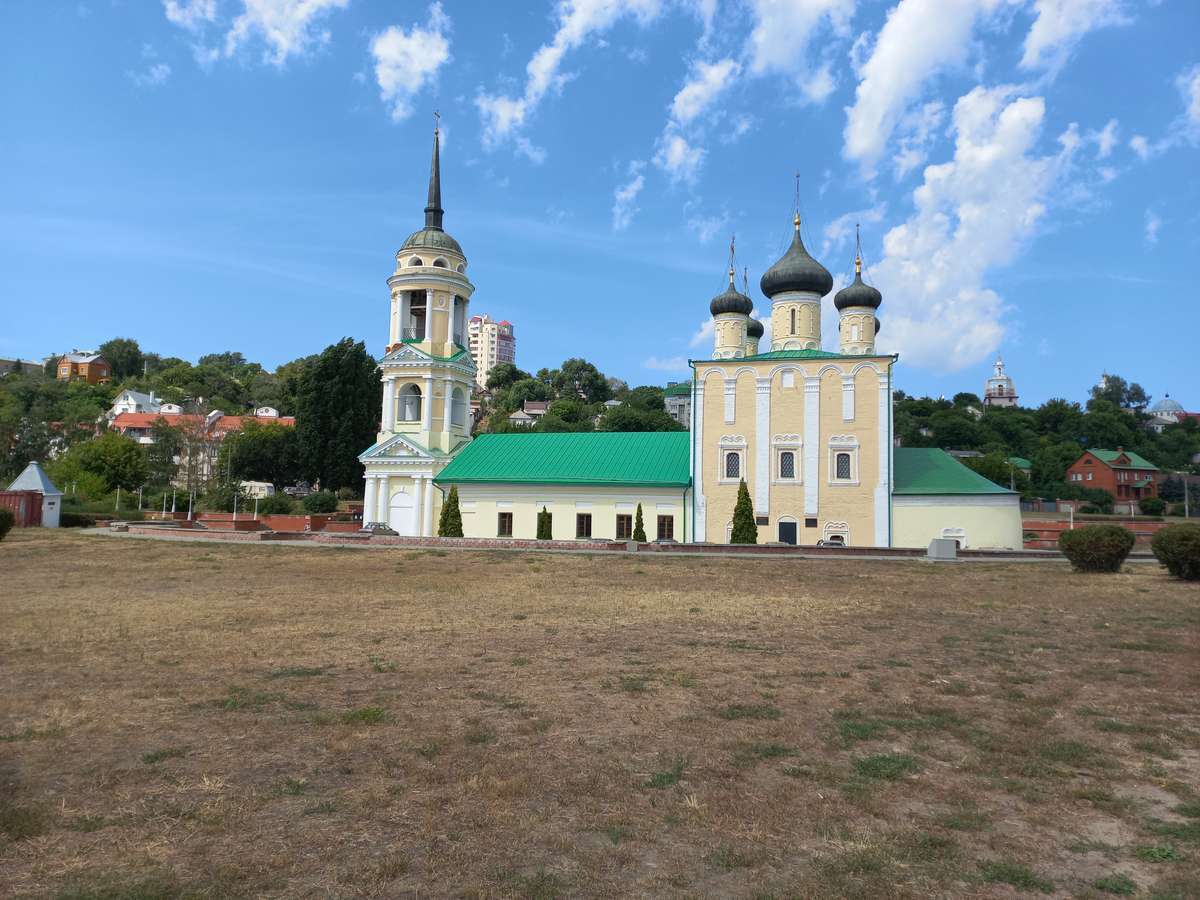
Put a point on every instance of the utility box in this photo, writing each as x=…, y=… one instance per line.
x=942, y=549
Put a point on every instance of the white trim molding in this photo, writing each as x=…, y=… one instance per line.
x=812, y=437
x=843, y=443
x=847, y=398
x=762, y=449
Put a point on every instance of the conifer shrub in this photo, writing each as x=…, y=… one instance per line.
x=1152, y=506
x=744, y=529
x=7, y=520
x=545, y=524
x=1177, y=547
x=276, y=505
x=320, y=502
x=639, y=527
x=1096, y=548
x=450, y=523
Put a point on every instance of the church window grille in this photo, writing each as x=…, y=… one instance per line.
x=733, y=464
x=787, y=465
x=843, y=467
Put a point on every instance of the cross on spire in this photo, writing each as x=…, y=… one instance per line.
x=732, y=239
x=857, y=249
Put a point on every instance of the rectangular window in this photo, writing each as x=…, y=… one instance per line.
x=787, y=465
x=624, y=527
x=733, y=464
x=1089, y=478
x=583, y=525
x=843, y=467
x=504, y=522
x=666, y=528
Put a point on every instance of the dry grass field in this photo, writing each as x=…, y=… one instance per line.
x=213, y=720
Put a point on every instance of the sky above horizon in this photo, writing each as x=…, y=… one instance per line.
x=208, y=175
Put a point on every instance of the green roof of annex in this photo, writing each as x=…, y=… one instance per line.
x=928, y=470
x=636, y=459
x=1135, y=461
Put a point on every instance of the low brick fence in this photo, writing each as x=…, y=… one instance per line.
x=1043, y=535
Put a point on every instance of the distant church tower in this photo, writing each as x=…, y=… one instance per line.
x=427, y=374
x=856, y=305
x=731, y=320
x=795, y=286
x=999, y=389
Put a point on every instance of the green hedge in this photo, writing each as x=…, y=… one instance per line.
x=276, y=505
x=7, y=520
x=1096, y=548
x=1152, y=506
x=320, y=502
x=1178, y=548
x=76, y=520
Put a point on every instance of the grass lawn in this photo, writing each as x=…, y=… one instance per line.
x=219, y=720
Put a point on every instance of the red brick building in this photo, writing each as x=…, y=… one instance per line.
x=1124, y=474
x=82, y=365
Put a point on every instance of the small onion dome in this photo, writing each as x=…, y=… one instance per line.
x=877, y=325
x=732, y=301
x=754, y=329
x=857, y=293
x=796, y=271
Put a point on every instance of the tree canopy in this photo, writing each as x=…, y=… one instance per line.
x=338, y=403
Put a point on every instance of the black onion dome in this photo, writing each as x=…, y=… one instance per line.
x=857, y=293
x=754, y=329
x=796, y=271
x=732, y=301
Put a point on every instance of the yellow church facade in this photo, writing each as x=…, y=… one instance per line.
x=808, y=430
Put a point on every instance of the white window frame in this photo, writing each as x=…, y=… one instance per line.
x=787, y=443
x=732, y=443
x=832, y=529
x=843, y=444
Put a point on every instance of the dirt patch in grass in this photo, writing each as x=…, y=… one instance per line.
x=311, y=722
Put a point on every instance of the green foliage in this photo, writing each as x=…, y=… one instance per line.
x=450, y=523
x=1096, y=548
x=639, y=528
x=160, y=455
x=221, y=495
x=744, y=529
x=629, y=418
x=276, y=505
x=1177, y=547
x=1152, y=506
x=545, y=525
x=119, y=460
x=996, y=468
x=320, y=502
x=337, y=413
x=259, y=452
x=7, y=520
x=71, y=519
x=124, y=355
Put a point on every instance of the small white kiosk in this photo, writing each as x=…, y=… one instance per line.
x=34, y=478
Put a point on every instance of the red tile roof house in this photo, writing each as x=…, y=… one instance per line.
x=1124, y=474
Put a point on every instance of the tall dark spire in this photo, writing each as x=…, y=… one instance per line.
x=433, y=208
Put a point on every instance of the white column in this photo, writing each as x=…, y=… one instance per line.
x=698, y=461
x=448, y=387
x=369, y=502
x=382, y=500
x=883, y=484
x=812, y=438
x=405, y=309
x=847, y=398
x=427, y=406
x=395, y=323
x=418, y=506
x=389, y=404
x=762, y=448
x=427, y=508
x=429, y=315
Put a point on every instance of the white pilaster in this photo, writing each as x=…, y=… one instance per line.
x=847, y=398
x=427, y=406
x=448, y=387
x=883, y=484
x=389, y=405
x=762, y=446
x=730, y=399
x=812, y=439
x=382, y=499
x=429, y=314
x=427, y=508
x=698, y=461
x=370, y=505
x=405, y=309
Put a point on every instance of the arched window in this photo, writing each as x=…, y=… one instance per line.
x=793, y=312
x=733, y=464
x=854, y=332
x=416, y=261
x=410, y=403
x=787, y=464
x=458, y=408
x=440, y=263
x=842, y=463
x=461, y=269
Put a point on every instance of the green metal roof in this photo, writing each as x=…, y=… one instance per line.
x=927, y=470
x=1021, y=463
x=658, y=458
x=678, y=390
x=1135, y=461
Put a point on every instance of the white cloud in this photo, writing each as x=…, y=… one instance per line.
x=972, y=214
x=625, y=197
x=919, y=39
x=1140, y=145
x=286, y=26
x=678, y=158
x=153, y=76
x=1105, y=139
x=1153, y=223
x=190, y=14
x=707, y=83
x=406, y=61
x=704, y=334
x=783, y=29
x=841, y=228
x=1107, y=174
x=917, y=132
x=1185, y=128
x=706, y=227
x=504, y=116
x=1061, y=24
x=1188, y=83
x=670, y=364
x=764, y=343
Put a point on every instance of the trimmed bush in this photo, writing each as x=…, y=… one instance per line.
x=1177, y=547
x=545, y=525
x=639, y=528
x=7, y=520
x=76, y=520
x=1096, y=548
x=450, y=524
x=1152, y=506
x=276, y=505
x=321, y=502
x=744, y=529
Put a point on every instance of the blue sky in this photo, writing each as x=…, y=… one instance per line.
x=206, y=175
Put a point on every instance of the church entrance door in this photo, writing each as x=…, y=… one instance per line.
x=402, y=513
x=787, y=532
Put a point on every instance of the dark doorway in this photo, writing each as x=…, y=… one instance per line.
x=787, y=532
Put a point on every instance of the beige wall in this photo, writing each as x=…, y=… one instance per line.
x=481, y=505
x=986, y=522
x=845, y=506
